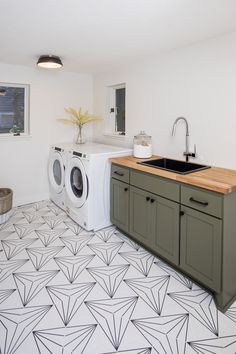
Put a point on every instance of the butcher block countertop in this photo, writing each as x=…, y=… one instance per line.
x=217, y=179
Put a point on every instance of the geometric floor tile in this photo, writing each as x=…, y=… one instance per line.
x=152, y=290
x=75, y=243
x=68, y=298
x=34, y=216
x=61, y=274
x=200, y=305
x=167, y=334
x=29, y=284
x=109, y=277
x=5, y=293
x=220, y=345
x=133, y=351
x=26, y=229
x=75, y=228
x=113, y=316
x=72, y=266
x=5, y=234
x=42, y=255
x=142, y=260
x=54, y=221
x=127, y=240
x=17, y=324
x=49, y=236
x=231, y=313
x=8, y=267
x=13, y=247
x=106, y=251
x=175, y=274
x=64, y=340
x=106, y=233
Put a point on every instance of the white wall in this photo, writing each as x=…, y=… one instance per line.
x=197, y=82
x=23, y=161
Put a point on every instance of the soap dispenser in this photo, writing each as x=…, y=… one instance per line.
x=142, y=145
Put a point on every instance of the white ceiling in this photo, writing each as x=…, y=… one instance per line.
x=97, y=35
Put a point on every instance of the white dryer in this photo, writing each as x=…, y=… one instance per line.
x=56, y=175
x=87, y=183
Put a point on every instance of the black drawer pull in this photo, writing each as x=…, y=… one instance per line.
x=152, y=200
x=121, y=174
x=147, y=199
x=198, y=201
x=126, y=189
x=181, y=213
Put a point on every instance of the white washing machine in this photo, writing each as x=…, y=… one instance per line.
x=56, y=175
x=87, y=183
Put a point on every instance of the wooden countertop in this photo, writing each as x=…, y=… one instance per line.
x=217, y=179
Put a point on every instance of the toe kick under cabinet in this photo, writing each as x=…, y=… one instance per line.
x=192, y=228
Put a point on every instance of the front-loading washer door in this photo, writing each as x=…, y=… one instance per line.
x=76, y=182
x=56, y=172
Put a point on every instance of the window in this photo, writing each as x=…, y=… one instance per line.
x=14, y=109
x=116, y=110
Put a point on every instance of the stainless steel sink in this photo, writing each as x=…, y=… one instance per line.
x=176, y=166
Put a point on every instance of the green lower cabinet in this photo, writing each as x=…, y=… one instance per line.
x=165, y=229
x=140, y=215
x=120, y=204
x=201, y=247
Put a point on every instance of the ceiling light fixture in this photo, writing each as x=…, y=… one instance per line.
x=49, y=62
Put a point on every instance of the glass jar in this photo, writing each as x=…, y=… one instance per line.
x=142, y=145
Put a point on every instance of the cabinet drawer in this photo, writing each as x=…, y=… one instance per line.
x=120, y=173
x=156, y=185
x=202, y=200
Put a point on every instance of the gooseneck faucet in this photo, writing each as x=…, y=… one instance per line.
x=186, y=153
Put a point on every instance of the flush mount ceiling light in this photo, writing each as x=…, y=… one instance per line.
x=49, y=62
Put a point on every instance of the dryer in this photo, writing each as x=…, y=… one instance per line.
x=56, y=175
x=87, y=183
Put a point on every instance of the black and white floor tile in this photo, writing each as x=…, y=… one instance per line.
x=64, y=290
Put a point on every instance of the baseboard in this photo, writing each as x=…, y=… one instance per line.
x=30, y=199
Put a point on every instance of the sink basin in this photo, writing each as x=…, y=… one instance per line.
x=176, y=166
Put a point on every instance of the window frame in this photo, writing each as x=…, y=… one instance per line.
x=26, y=88
x=110, y=124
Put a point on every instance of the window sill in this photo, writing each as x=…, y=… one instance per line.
x=15, y=138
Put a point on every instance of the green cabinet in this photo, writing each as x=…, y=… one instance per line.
x=201, y=246
x=140, y=215
x=154, y=221
x=120, y=204
x=192, y=227
x=165, y=228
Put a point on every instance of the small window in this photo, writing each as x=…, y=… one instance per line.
x=116, y=110
x=14, y=109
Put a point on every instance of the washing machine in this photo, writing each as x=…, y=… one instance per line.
x=87, y=183
x=56, y=175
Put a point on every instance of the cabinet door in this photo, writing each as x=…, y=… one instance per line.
x=120, y=204
x=140, y=211
x=165, y=236
x=200, y=253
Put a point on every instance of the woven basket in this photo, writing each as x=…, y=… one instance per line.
x=5, y=200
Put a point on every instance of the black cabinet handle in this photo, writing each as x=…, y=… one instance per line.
x=126, y=189
x=121, y=174
x=181, y=213
x=147, y=199
x=198, y=201
x=152, y=200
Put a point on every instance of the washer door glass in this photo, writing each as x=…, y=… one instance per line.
x=56, y=172
x=76, y=182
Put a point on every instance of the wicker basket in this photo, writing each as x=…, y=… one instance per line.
x=5, y=200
